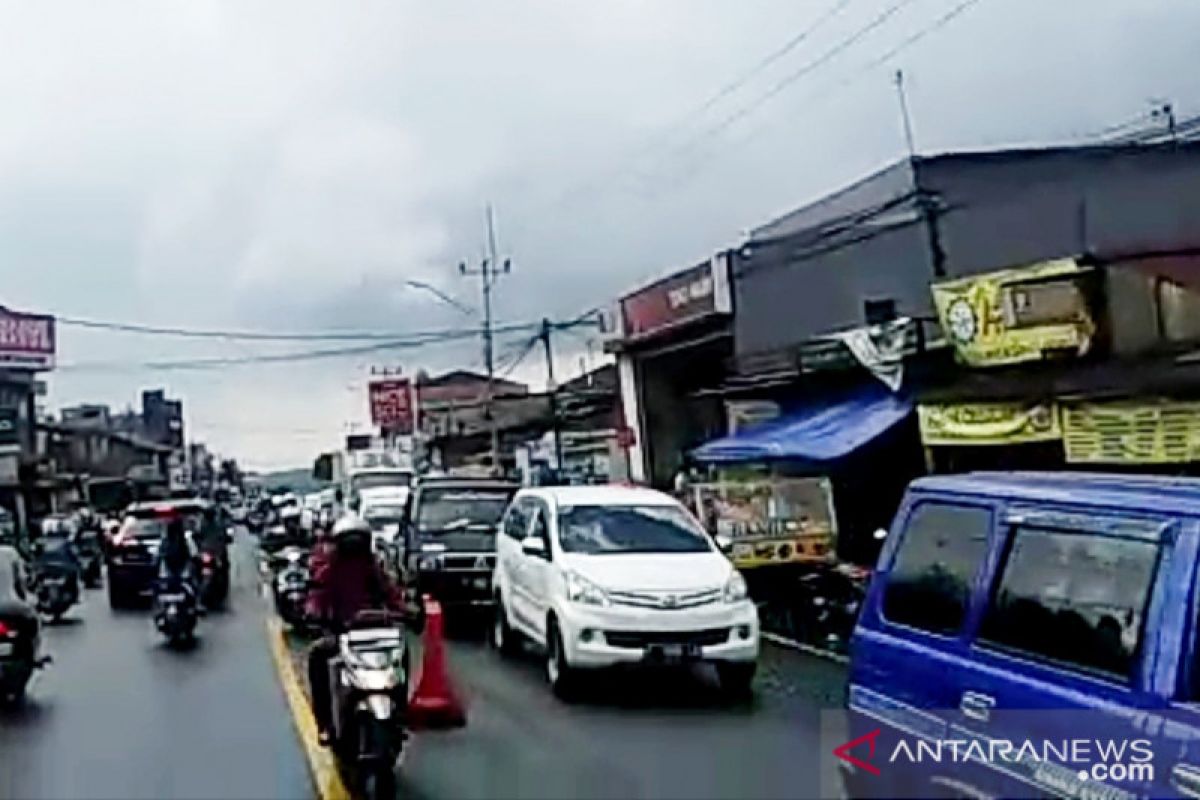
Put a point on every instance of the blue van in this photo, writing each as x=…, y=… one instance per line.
x=1031, y=635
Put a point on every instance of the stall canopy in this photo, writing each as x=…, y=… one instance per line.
x=818, y=432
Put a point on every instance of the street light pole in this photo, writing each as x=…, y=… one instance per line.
x=488, y=272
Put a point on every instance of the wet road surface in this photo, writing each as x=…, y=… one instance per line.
x=119, y=714
x=631, y=735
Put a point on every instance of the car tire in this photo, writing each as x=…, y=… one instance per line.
x=560, y=675
x=504, y=638
x=118, y=598
x=737, y=678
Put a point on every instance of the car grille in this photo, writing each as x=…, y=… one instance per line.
x=468, y=561
x=670, y=601
x=638, y=640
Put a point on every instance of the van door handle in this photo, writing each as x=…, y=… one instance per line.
x=977, y=706
x=1186, y=780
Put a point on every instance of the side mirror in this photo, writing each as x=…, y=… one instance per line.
x=880, y=534
x=533, y=546
x=724, y=544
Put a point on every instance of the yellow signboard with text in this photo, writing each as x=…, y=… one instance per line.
x=988, y=423
x=1132, y=432
x=1016, y=315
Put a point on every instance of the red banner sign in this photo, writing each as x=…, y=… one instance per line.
x=26, y=340
x=392, y=405
x=682, y=297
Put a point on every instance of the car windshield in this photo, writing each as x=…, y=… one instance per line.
x=153, y=527
x=380, y=480
x=384, y=513
x=461, y=509
x=601, y=530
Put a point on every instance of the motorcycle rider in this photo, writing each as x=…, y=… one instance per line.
x=177, y=556
x=345, y=582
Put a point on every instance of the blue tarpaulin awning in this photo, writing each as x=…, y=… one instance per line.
x=820, y=432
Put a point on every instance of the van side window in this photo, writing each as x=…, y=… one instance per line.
x=1073, y=597
x=929, y=586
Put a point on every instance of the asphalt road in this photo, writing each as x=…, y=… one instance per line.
x=630, y=735
x=119, y=714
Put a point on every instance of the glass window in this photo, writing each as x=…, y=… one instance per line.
x=1073, y=597
x=516, y=524
x=929, y=586
x=540, y=529
x=599, y=530
x=461, y=509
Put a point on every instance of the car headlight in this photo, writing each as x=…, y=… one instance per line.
x=735, y=588
x=429, y=563
x=581, y=590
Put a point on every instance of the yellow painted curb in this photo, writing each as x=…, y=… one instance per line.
x=324, y=770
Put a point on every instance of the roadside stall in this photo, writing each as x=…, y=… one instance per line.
x=796, y=501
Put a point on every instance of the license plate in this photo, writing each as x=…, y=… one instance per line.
x=6, y=649
x=673, y=652
x=171, y=598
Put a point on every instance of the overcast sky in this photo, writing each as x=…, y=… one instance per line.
x=287, y=165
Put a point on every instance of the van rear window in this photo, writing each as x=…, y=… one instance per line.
x=929, y=585
x=1074, y=598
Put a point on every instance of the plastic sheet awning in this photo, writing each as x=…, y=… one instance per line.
x=818, y=432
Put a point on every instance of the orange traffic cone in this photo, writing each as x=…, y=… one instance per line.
x=435, y=704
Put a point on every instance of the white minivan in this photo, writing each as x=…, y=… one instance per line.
x=598, y=576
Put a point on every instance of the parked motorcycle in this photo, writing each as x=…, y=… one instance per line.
x=369, y=677
x=176, y=611
x=290, y=584
x=826, y=605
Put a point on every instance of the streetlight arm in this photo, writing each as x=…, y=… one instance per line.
x=439, y=294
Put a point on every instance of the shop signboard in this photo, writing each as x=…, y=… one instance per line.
x=27, y=341
x=1153, y=431
x=691, y=294
x=988, y=423
x=1016, y=315
x=770, y=521
x=391, y=405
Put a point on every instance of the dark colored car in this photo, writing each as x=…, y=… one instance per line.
x=134, y=549
x=449, y=547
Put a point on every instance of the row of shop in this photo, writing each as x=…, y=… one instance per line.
x=1023, y=310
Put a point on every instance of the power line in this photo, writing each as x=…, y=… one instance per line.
x=303, y=355
x=768, y=60
x=877, y=61
x=726, y=90
x=787, y=81
x=193, y=333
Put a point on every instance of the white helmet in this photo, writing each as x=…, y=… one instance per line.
x=350, y=523
x=289, y=512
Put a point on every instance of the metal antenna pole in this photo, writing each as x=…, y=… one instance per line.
x=908, y=130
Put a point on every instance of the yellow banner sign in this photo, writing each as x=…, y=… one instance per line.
x=988, y=423
x=1015, y=315
x=1132, y=432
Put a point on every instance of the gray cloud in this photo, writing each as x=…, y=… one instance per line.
x=291, y=164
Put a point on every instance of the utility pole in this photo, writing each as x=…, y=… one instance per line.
x=552, y=389
x=905, y=116
x=489, y=270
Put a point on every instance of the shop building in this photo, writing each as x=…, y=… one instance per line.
x=837, y=328
x=673, y=340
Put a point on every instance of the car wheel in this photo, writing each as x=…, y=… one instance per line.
x=737, y=678
x=504, y=638
x=559, y=674
x=117, y=597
